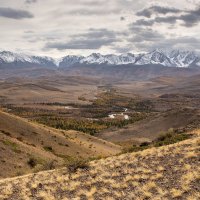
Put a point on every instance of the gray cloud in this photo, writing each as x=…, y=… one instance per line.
x=88, y=11
x=143, y=22
x=93, y=39
x=145, y=34
x=30, y=1
x=92, y=2
x=148, y=39
x=122, y=18
x=189, y=18
x=192, y=18
x=148, y=12
x=151, y=22
x=14, y=13
x=122, y=49
x=80, y=44
x=98, y=33
x=182, y=43
x=190, y=43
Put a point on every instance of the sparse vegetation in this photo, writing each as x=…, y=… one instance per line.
x=164, y=139
x=91, y=118
x=12, y=145
x=170, y=138
x=34, y=147
x=158, y=173
x=89, y=126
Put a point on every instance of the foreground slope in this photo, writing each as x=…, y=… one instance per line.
x=169, y=172
x=26, y=146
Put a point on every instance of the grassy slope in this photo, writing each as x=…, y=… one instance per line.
x=22, y=140
x=169, y=172
x=151, y=128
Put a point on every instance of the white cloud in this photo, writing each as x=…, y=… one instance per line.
x=62, y=20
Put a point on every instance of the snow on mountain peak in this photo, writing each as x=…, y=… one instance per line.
x=174, y=58
x=10, y=57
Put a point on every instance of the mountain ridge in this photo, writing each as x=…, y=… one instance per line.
x=173, y=58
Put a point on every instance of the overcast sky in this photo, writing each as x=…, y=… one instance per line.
x=60, y=27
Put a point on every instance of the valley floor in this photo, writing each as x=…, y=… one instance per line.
x=57, y=122
x=168, y=172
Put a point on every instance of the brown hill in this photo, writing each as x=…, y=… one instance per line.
x=152, y=127
x=26, y=146
x=47, y=89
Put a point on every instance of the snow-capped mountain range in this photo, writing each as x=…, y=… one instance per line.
x=174, y=58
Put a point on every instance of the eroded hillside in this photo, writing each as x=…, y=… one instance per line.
x=34, y=147
x=168, y=172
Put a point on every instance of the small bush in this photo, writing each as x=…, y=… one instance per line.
x=49, y=165
x=20, y=139
x=164, y=137
x=136, y=148
x=82, y=98
x=48, y=148
x=5, y=133
x=32, y=162
x=76, y=164
x=144, y=144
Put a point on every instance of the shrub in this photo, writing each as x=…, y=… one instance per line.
x=136, y=148
x=49, y=165
x=170, y=138
x=48, y=148
x=5, y=133
x=145, y=105
x=164, y=137
x=76, y=164
x=32, y=162
x=144, y=144
x=82, y=98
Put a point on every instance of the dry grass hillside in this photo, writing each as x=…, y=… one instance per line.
x=35, y=147
x=168, y=172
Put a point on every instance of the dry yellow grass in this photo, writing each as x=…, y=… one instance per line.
x=169, y=172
